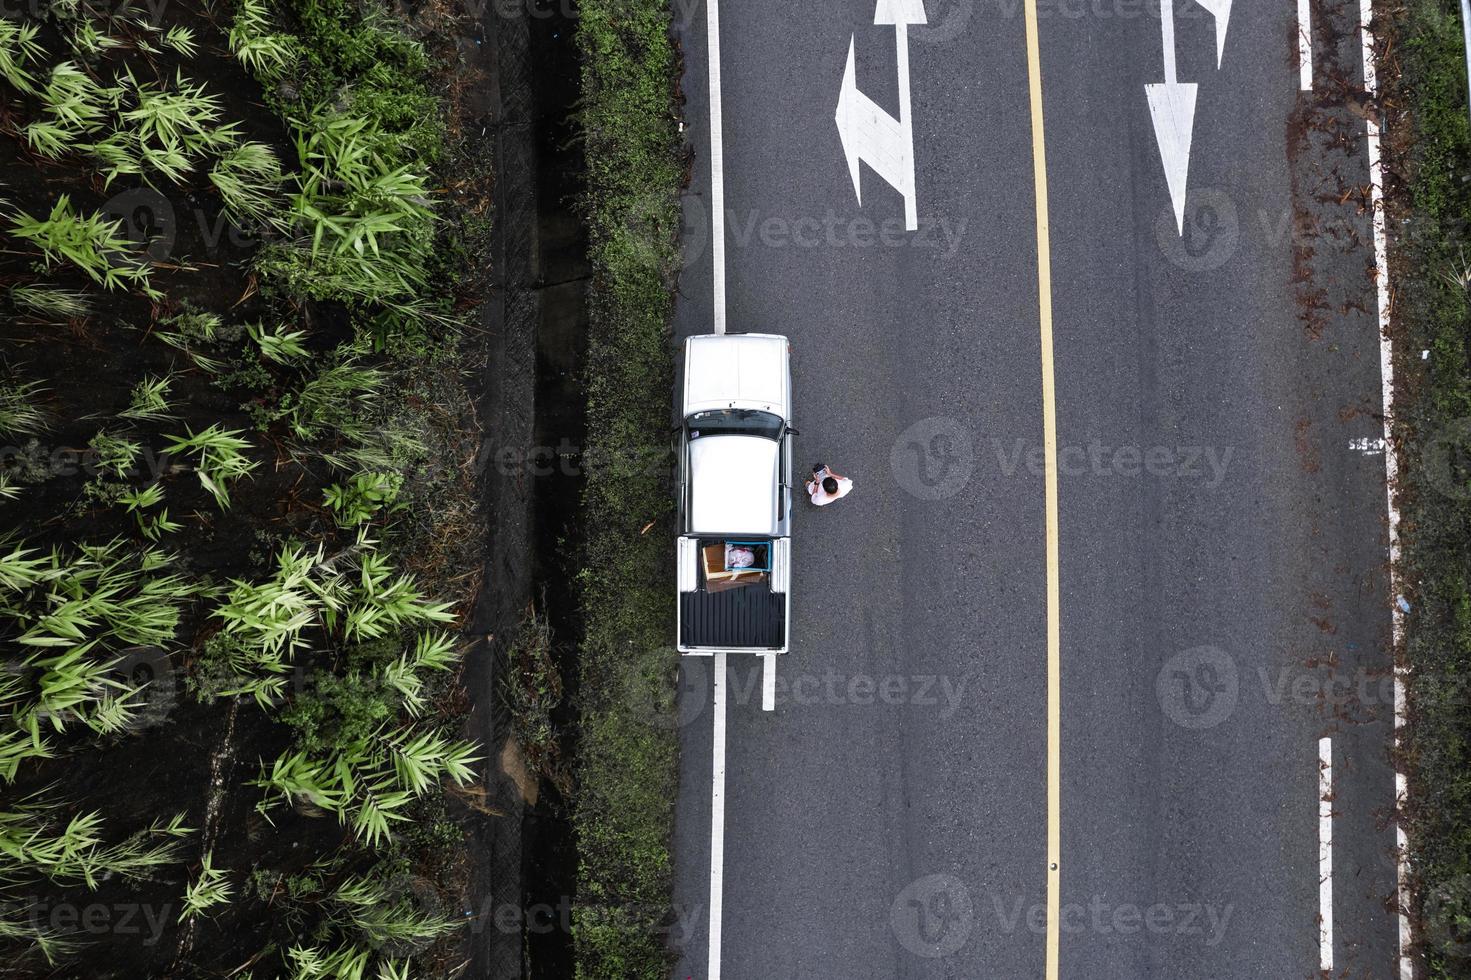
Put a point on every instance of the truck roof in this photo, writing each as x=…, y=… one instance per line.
x=733, y=484
x=746, y=370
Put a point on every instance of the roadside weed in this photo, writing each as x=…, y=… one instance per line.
x=181, y=39
x=149, y=401
x=75, y=98
x=255, y=41
x=18, y=49
x=33, y=842
x=51, y=301
x=368, y=906
x=277, y=344
x=333, y=402
x=211, y=888
x=91, y=243
x=248, y=178
x=191, y=330
x=89, y=42
x=151, y=525
x=113, y=454
x=219, y=458
x=19, y=413
x=362, y=497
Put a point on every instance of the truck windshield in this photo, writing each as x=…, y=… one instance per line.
x=735, y=421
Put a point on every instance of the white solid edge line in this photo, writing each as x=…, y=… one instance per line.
x=717, y=819
x=1304, y=46
x=768, y=682
x=1391, y=474
x=717, y=168
x=1325, y=854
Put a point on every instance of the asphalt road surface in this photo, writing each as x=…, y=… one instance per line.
x=1224, y=601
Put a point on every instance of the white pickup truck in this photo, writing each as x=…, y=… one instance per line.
x=735, y=494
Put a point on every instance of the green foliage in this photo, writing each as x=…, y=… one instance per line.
x=219, y=459
x=71, y=613
x=532, y=691
x=19, y=49
x=181, y=39
x=341, y=710
x=366, y=129
x=255, y=40
x=382, y=71
x=370, y=906
x=211, y=888
x=626, y=770
x=113, y=454
x=248, y=178
x=168, y=128
x=341, y=411
x=20, y=415
x=369, y=784
x=193, y=332
x=1433, y=429
x=50, y=301
x=277, y=344
x=152, y=526
x=361, y=498
x=355, y=597
x=77, y=105
x=91, y=243
x=365, y=212
x=35, y=843
x=354, y=756
x=149, y=401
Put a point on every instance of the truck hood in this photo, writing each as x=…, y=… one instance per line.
x=733, y=484
x=736, y=371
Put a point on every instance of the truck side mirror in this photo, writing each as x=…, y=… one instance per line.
x=792, y=432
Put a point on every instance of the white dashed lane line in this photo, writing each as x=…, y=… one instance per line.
x=717, y=818
x=1325, y=855
x=1304, y=46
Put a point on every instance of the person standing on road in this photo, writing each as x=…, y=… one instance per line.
x=827, y=486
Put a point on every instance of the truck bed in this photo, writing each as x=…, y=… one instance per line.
x=750, y=616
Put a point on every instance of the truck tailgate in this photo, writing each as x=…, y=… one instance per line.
x=747, y=617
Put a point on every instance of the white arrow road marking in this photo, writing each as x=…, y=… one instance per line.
x=1172, y=103
x=717, y=820
x=869, y=134
x=899, y=12
x=1221, y=11
x=1172, y=108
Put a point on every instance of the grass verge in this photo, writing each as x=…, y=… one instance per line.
x=627, y=758
x=1430, y=202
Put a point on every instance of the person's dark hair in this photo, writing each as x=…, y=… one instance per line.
x=830, y=485
x=818, y=467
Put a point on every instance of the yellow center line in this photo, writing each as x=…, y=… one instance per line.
x=1049, y=439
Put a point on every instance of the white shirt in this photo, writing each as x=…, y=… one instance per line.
x=821, y=497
